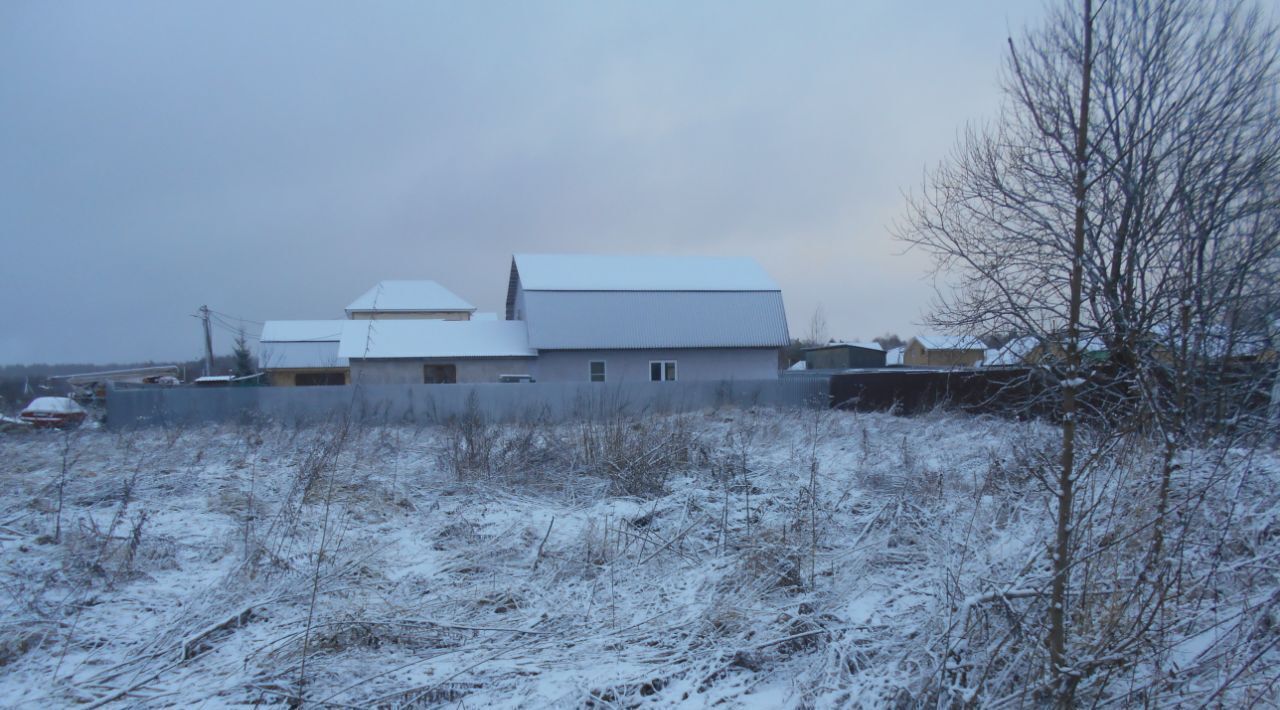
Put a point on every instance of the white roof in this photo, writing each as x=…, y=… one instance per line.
x=950, y=342
x=377, y=339
x=1014, y=352
x=300, y=355
x=59, y=405
x=593, y=272
x=894, y=356
x=301, y=331
x=403, y=296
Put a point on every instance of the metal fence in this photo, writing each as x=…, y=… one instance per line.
x=429, y=404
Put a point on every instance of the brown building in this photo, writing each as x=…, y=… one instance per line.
x=943, y=351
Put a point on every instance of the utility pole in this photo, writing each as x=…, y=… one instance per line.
x=208, y=341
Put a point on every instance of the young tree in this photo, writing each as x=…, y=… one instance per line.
x=243, y=357
x=1126, y=196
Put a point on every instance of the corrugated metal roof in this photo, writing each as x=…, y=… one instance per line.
x=296, y=331
x=409, y=296
x=378, y=339
x=599, y=272
x=299, y=355
x=572, y=320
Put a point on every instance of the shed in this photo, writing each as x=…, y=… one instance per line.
x=839, y=355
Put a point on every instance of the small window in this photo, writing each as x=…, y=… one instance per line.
x=596, y=370
x=662, y=370
x=439, y=374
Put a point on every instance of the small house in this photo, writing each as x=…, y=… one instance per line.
x=944, y=351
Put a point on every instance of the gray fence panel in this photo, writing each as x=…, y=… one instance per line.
x=427, y=404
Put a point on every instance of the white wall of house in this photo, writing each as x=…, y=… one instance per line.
x=410, y=371
x=633, y=365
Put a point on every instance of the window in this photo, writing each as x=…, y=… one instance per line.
x=662, y=370
x=595, y=369
x=439, y=374
x=316, y=379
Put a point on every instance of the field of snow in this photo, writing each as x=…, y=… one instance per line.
x=735, y=558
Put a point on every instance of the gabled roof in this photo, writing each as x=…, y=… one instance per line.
x=950, y=342
x=596, y=272
x=409, y=296
x=301, y=331
x=380, y=339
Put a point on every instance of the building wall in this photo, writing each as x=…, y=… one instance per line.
x=410, y=371
x=842, y=357
x=285, y=378
x=410, y=315
x=916, y=355
x=633, y=365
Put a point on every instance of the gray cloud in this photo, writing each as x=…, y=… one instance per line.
x=274, y=160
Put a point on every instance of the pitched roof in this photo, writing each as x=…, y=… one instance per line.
x=409, y=296
x=378, y=339
x=300, y=331
x=632, y=302
x=596, y=272
x=950, y=342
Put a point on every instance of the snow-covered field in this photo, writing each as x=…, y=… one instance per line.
x=677, y=560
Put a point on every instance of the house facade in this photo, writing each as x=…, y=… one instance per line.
x=594, y=318
x=569, y=318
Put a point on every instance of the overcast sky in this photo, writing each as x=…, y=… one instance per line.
x=274, y=160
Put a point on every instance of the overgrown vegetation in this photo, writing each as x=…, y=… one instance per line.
x=783, y=558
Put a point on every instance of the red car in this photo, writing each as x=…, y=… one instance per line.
x=53, y=412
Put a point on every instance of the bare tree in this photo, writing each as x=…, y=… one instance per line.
x=1127, y=201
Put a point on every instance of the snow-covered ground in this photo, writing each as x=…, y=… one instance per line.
x=678, y=560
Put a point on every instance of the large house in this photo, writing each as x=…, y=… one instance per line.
x=655, y=318
x=569, y=318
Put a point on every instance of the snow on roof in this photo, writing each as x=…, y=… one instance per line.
x=894, y=356
x=569, y=320
x=285, y=355
x=484, y=315
x=594, y=272
x=413, y=296
x=798, y=366
x=57, y=405
x=214, y=378
x=301, y=331
x=950, y=342
x=1014, y=352
x=378, y=339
